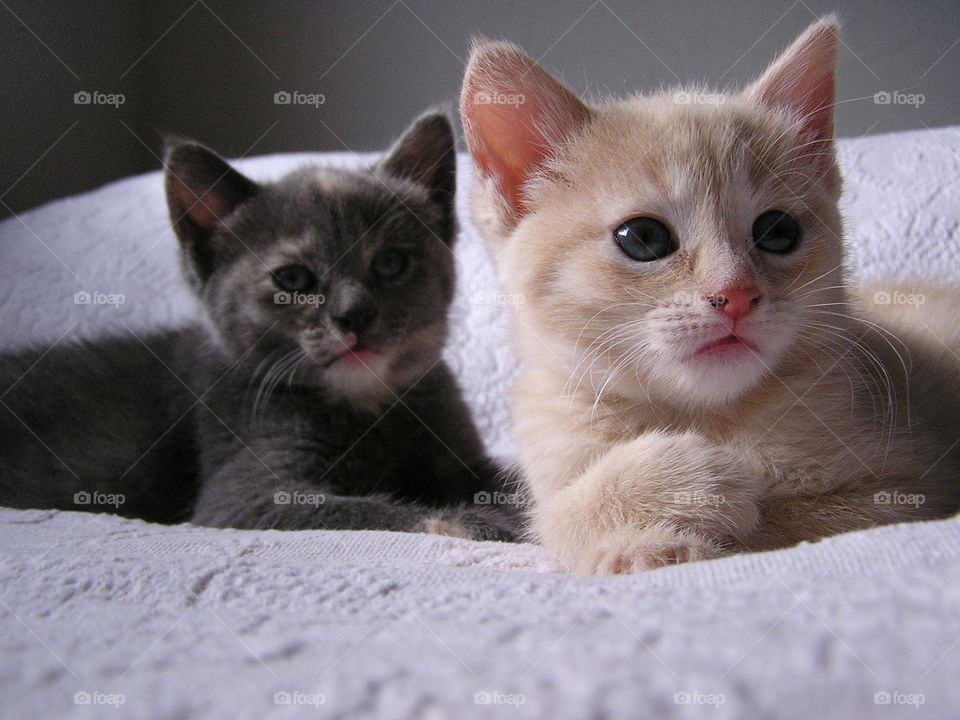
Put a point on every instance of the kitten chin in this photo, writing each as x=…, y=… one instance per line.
x=365, y=384
x=695, y=379
x=371, y=380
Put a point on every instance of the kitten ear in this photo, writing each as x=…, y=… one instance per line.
x=803, y=80
x=514, y=116
x=427, y=155
x=203, y=190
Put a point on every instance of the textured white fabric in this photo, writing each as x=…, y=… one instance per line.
x=184, y=622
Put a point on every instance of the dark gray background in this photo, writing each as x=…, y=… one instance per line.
x=209, y=69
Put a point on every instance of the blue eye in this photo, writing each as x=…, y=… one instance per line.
x=776, y=232
x=294, y=278
x=644, y=239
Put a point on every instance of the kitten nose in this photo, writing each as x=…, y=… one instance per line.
x=735, y=302
x=356, y=318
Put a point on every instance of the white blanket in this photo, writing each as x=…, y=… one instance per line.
x=104, y=617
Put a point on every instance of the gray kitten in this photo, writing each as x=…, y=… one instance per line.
x=311, y=395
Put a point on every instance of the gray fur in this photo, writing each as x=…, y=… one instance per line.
x=223, y=421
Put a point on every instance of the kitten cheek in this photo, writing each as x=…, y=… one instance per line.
x=418, y=347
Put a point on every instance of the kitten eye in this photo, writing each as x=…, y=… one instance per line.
x=294, y=278
x=645, y=239
x=390, y=264
x=776, y=232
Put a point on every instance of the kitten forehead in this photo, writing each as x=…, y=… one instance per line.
x=656, y=139
x=359, y=191
x=293, y=248
x=330, y=208
x=718, y=164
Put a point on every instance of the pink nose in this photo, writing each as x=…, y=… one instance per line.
x=735, y=302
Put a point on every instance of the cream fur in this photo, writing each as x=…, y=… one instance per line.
x=635, y=454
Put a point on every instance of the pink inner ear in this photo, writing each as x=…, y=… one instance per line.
x=205, y=211
x=802, y=80
x=812, y=98
x=515, y=115
x=507, y=148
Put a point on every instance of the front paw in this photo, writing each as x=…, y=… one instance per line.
x=681, y=479
x=632, y=549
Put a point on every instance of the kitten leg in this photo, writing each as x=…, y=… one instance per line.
x=300, y=507
x=484, y=500
x=861, y=505
x=238, y=495
x=658, y=499
x=491, y=524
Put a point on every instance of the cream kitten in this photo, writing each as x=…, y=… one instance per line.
x=697, y=379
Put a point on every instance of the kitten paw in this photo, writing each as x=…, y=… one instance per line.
x=474, y=525
x=631, y=550
x=449, y=528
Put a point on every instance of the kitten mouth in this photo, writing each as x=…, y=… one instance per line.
x=352, y=353
x=727, y=345
x=357, y=355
